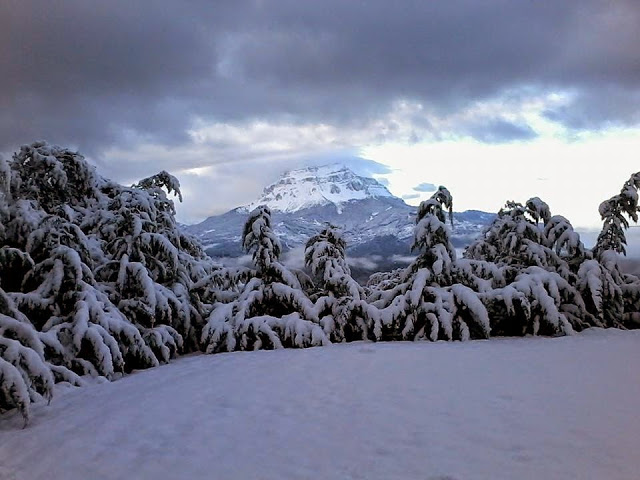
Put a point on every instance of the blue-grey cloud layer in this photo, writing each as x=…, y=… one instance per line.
x=410, y=196
x=425, y=187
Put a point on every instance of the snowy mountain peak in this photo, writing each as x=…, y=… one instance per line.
x=316, y=186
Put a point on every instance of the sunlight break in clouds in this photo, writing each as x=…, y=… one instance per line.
x=572, y=177
x=572, y=170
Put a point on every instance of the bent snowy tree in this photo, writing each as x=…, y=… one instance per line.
x=95, y=277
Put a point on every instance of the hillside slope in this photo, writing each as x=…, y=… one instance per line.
x=526, y=408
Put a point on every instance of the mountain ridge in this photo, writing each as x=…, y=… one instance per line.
x=373, y=221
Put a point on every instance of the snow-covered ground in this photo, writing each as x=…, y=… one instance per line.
x=527, y=408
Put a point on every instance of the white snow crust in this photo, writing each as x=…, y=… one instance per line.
x=525, y=408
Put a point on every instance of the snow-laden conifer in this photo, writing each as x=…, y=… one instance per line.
x=152, y=265
x=614, y=294
x=24, y=373
x=538, y=256
x=516, y=238
x=97, y=279
x=341, y=299
x=423, y=302
x=432, y=236
x=99, y=275
x=271, y=310
x=614, y=213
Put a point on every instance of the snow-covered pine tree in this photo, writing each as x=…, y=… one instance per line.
x=80, y=328
x=151, y=265
x=271, y=310
x=516, y=238
x=24, y=373
x=432, y=237
x=325, y=256
x=258, y=237
x=613, y=295
x=82, y=260
x=425, y=304
x=435, y=251
x=560, y=236
x=382, y=281
x=614, y=213
x=539, y=263
x=341, y=298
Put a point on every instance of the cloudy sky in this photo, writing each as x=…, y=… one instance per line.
x=497, y=100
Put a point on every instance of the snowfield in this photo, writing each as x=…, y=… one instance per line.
x=525, y=408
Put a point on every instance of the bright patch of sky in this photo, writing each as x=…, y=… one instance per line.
x=573, y=177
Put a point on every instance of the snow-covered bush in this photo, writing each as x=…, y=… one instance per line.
x=97, y=276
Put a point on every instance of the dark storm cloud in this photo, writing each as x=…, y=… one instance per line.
x=500, y=131
x=90, y=73
x=591, y=110
x=97, y=74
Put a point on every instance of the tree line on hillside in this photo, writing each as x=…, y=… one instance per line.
x=97, y=279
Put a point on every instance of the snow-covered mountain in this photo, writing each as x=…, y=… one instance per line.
x=318, y=186
x=374, y=222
